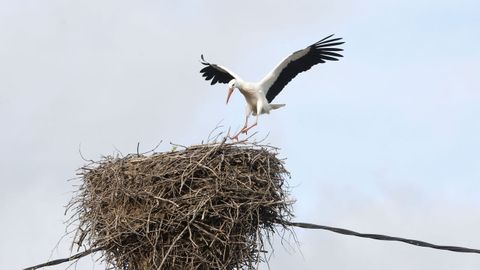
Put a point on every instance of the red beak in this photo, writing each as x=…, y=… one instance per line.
x=230, y=91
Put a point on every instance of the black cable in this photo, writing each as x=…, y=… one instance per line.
x=71, y=258
x=417, y=243
x=380, y=237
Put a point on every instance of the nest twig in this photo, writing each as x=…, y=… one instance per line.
x=209, y=206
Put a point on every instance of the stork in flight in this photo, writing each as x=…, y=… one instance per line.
x=259, y=95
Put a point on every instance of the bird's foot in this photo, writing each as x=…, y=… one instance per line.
x=246, y=129
x=235, y=138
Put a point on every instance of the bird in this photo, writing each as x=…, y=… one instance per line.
x=259, y=95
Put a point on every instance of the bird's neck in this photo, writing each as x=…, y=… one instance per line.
x=240, y=83
x=242, y=86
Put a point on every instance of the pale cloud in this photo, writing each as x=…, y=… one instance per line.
x=385, y=140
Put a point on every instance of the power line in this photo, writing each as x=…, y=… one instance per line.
x=417, y=243
x=71, y=258
x=304, y=225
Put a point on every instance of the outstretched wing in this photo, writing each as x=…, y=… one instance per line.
x=299, y=61
x=216, y=73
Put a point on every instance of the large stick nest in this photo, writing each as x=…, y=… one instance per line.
x=211, y=206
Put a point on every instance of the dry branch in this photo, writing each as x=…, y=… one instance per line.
x=209, y=206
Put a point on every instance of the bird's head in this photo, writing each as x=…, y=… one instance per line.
x=231, y=86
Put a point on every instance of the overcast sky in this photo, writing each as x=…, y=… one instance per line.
x=387, y=140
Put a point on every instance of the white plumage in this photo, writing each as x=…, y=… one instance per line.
x=259, y=95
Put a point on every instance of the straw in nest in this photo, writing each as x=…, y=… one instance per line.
x=209, y=206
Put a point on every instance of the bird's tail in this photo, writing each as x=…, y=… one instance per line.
x=276, y=106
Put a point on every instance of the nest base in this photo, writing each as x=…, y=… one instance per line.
x=209, y=206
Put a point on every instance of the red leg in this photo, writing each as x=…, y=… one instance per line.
x=241, y=130
x=236, y=136
x=245, y=129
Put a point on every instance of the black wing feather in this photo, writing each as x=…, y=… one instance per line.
x=319, y=52
x=216, y=72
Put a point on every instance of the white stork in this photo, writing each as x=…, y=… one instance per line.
x=259, y=95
